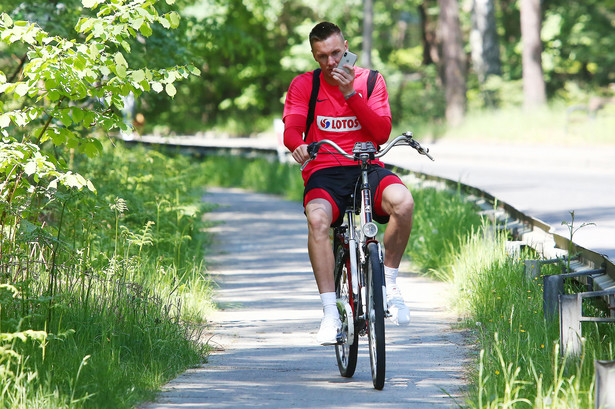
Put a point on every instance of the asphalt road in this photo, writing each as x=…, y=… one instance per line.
x=542, y=181
x=264, y=333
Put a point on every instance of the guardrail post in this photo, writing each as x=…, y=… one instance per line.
x=553, y=286
x=605, y=385
x=570, y=311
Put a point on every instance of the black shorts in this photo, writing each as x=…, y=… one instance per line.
x=337, y=184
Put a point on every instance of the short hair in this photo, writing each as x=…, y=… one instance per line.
x=324, y=30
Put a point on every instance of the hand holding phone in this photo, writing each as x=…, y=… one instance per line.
x=348, y=58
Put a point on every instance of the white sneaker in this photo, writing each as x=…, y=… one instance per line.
x=400, y=314
x=330, y=327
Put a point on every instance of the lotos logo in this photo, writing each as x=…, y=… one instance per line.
x=341, y=124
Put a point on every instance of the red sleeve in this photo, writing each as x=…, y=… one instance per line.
x=378, y=127
x=294, y=126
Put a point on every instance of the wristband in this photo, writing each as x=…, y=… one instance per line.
x=350, y=95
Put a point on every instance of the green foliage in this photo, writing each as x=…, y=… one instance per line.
x=96, y=316
x=70, y=86
x=575, y=36
x=405, y=92
x=103, y=302
x=249, y=51
x=441, y=220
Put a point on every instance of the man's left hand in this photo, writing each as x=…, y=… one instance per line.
x=345, y=79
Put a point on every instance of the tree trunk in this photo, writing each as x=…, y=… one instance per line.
x=453, y=61
x=484, y=41
x=533, y=81
x=428, y=37
x=368, y=29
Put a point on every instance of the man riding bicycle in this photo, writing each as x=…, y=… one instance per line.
x=344, y=113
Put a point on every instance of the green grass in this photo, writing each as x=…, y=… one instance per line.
x=441, y=220
x=256, y=174
x=103, y=297
x=518, y=362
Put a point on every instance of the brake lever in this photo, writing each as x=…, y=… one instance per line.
x=414, y=143
x=312, y=151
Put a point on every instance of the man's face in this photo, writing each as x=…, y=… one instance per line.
x=328, y=53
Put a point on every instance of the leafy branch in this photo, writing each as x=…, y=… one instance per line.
x=73, y=87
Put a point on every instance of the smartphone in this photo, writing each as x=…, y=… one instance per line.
x=348, y=58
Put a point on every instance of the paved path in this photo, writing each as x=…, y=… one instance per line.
x=270, y=310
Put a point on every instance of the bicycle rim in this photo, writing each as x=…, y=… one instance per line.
x=346, y=352
x=375, y=311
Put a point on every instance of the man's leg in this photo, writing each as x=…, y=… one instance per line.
x=398, y=203
x=320, y=216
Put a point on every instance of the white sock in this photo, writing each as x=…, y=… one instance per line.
x=329, y=303
x=390, y=275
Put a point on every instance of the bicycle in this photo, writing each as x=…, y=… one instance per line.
x=359, y=266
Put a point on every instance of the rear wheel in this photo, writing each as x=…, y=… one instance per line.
x=375, y=315
x=346, y=352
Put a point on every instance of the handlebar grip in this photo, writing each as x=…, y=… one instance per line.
x=313, y=149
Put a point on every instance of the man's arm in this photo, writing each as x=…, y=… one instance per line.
x=378, y=127
x=294, y=126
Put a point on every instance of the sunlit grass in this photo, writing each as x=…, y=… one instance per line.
x=518, y=362
x=104, y=301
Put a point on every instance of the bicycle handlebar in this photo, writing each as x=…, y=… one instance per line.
x=404, y=139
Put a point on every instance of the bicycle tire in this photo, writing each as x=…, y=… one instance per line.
x=346, y=353
x=375, y=314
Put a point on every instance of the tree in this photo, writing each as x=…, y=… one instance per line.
x=534, y=92
x=429, y=38
x=484, y=41
x=453, y=61
x=368, y=30
x=65, y=94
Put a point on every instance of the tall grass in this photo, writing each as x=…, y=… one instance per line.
x=101, y=296
x=519, y=364
x=255, y=174
x=442, y=219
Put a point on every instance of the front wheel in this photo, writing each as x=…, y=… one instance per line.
x=375, y=314
x=346, y=352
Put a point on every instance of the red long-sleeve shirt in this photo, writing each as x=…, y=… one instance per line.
x=345, y=122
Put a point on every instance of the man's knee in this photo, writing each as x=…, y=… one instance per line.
x=319, y=216
x=397, y=201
